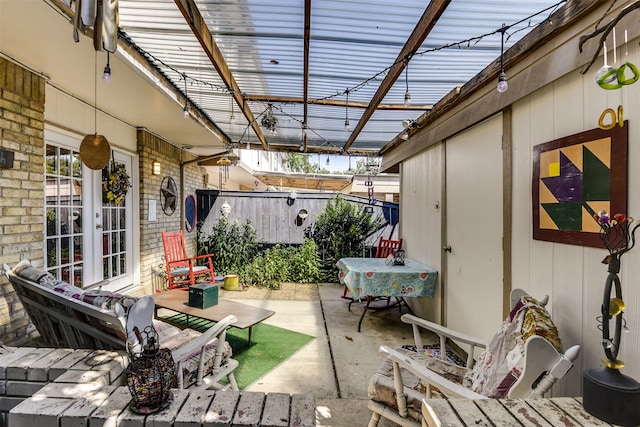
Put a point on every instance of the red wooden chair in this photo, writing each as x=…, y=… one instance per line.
x=184, y=271
x=385, y=248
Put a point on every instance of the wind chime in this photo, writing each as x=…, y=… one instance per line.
x=223, y=164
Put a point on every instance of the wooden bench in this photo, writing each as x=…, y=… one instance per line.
x=66, y=387
x=66, y=321
x=557, y=411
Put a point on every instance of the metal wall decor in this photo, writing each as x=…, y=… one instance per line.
x=190, y=213
x=168, y=195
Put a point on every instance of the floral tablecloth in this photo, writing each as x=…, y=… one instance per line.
x=373, y=277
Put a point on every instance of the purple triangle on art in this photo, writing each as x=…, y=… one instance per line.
x=568, y=186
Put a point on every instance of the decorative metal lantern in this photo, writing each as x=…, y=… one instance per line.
x=398, y=257
x=151, y=374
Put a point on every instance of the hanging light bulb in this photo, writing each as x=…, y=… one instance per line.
x=347, y=125
x=185, y=111
x=304, y=129
x=407, y=95
x=502, y=77
x=106, y=74
x=232, y=118
x=248, y=145
x=328, y=160
x=502, y=82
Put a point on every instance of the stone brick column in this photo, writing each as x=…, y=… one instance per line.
x=22, y=95
x=152, y=148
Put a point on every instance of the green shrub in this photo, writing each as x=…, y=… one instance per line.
x=341, y=231
x=233, y=245
x=283, y=264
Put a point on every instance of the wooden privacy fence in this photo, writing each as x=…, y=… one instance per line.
x=280, y=217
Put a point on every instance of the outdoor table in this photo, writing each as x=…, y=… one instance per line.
x=373, y=278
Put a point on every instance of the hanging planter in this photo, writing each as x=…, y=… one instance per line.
x=269, y=121
x=116, y=185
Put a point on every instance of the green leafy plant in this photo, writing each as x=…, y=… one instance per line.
x=283, y=264
x=341, y=231
x=233, y=245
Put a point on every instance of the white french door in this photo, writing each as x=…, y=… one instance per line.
x=87, y=237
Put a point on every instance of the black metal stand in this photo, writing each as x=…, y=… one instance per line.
x=607, y=393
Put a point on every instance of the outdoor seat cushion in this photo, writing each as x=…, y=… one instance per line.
x=197, y=269
x=502, y=362
x=173, y=338
x=382, y=388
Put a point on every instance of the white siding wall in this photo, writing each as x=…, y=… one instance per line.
x=420, y=193
x=69, y=113
x=573, y=276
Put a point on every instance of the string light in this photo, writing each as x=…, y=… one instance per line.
x=466, y=43
x=347, y=125
x=407, y=95
x=328, y=160
x=502, y=77
x=232, y=118
x=106, y=74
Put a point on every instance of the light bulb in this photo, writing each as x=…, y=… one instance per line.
x=407, y=99
x=347, y=125
x=328, y=161
x=106, y=75
x=232, y=119
x=301, y=147
x=502, y=82
x=185, y=111
x=248, y=146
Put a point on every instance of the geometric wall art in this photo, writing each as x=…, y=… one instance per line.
x=574, y=178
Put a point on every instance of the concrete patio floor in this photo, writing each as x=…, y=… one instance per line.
x=337, y=365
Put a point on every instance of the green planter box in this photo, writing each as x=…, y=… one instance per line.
x=203, y=295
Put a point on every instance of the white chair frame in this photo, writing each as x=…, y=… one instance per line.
x=543, y=366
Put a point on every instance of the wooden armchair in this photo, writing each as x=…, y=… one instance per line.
x=184, y=271
x=524, y=359
x=385, y=247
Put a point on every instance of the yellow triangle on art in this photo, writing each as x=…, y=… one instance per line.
x=545, y=195
x=601, y=148
x=546, y=223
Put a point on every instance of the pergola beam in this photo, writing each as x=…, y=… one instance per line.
x=428, y=20
x=305, y=90
x=199, y=28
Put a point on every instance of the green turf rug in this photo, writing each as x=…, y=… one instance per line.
x=270, y=346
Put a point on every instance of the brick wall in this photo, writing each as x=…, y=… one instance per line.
x=21, y=187
x=152, y=148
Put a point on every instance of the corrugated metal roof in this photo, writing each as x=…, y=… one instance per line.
x=352, y=46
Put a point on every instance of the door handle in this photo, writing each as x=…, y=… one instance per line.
x=446, y=248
